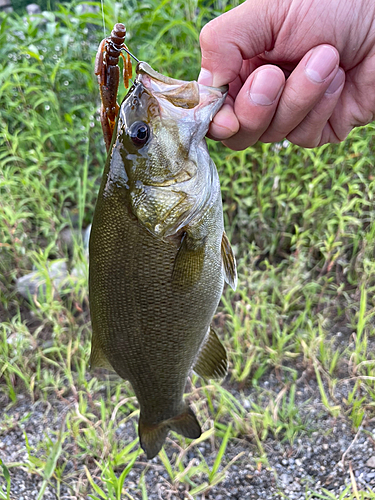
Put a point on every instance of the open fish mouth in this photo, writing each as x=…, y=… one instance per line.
x=206, y=101
x=145, y=69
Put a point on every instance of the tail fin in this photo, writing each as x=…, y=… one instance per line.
x=186, y=424
x=152, y=437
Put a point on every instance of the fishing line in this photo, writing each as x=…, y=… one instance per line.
x=102, y=4
x=130, y=54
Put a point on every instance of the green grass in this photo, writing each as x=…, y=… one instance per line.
x=302, y=225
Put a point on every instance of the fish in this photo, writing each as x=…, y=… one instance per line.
x=158, y=252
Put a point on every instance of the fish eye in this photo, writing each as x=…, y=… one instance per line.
x=139, y=133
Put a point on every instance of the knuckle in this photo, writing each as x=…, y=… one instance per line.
x=236, y=146
x=307, y=144
x=207, y=36
x=330, y=135
x=239, y=143
x=295, y=103
x=272, y=136
x=304, y=139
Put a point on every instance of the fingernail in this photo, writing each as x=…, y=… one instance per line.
x=321, y=63
x=336, y=82
x=266, y=87
x=205, y=77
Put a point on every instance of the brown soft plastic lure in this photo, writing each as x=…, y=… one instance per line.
x=108, y=73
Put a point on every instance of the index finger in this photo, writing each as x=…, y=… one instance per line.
x=239, y=34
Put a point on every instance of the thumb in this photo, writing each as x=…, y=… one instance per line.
x=241, y=33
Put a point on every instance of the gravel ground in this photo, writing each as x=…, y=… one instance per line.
x=313, y=462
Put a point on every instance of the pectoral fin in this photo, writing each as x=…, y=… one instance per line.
x=97, y=358
x=188, y=263
x=212, y=360
x=229, y=262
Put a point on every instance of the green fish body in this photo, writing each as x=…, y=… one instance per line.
x=158, y=252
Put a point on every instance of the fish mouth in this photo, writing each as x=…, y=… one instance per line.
x=145, y=69
x=180, y=93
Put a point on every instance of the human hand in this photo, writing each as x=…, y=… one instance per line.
x=325, y=49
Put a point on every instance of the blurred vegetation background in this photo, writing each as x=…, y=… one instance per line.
x=20, y=5
x=301, y=223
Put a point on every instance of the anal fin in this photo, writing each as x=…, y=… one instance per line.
x=229, y=262
x=212, y=360
x=152, y=437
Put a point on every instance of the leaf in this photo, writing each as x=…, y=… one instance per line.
x=220, y=454
x=98, y=490
x=55, y=453
x=33, y=51
x=123, y=475
x=7, y=479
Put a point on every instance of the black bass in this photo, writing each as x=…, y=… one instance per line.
x=158, y=252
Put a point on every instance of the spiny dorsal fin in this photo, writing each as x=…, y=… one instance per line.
x=97, y=358
x=152, y=436
x=212, y=360
x=229, y=262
